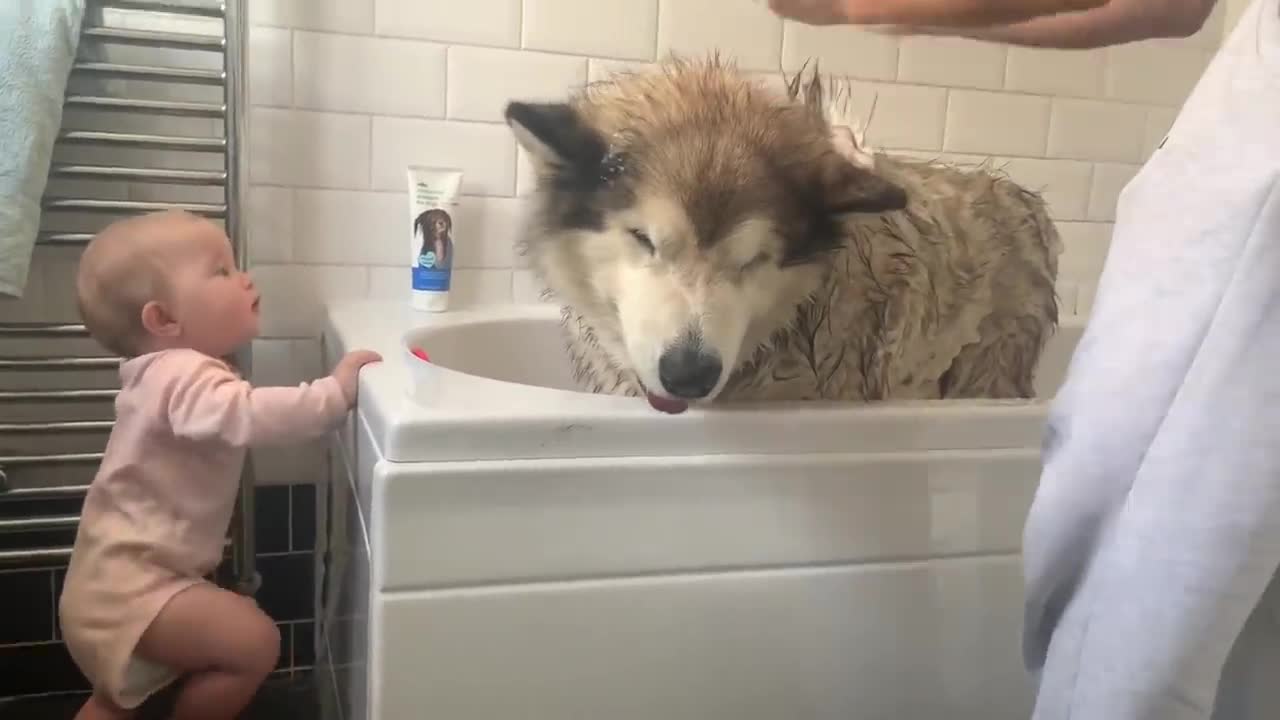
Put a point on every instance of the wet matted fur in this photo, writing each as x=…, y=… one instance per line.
x=707, y=239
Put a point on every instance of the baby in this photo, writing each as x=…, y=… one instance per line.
x=162, y=291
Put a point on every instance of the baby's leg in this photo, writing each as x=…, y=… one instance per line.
x=221, y=642
x=98, y=707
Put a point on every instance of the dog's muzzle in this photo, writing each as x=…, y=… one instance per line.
x=689, y=372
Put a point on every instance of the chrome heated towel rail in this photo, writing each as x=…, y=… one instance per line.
x=154, y=118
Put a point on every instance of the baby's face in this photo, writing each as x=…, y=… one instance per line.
x=215, y=304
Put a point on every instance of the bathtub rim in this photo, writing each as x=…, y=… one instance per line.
x=478, y=418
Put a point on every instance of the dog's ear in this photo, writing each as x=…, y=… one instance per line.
x=556, y=136
x=847, y=188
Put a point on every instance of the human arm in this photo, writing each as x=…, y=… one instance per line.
x=206, y=401
x=955, y=13
x=1115, y=23
x=1065, y=24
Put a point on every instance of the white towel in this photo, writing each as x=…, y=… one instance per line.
x=37, y=48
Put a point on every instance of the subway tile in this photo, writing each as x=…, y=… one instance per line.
x=1047, y=71
x=36, y=669
x=1158, y=123
x=1096, y=130
x=304, y=654
x=468, y=287
x=493, y=224
x=350, y=16
x=482, y=81
x=271, y=519
x=1153, y=72
x=282, y=575
x=28, y=608
x=998, y=123
x=285, y=660
x=1109, y=179
x=308, y=149
x=371, y=228
x=371, y=75
x=269, y=224
x=1065, y=184
x=270, y=77
x=339, y=227
x=952, y=62
x=527, y=288
x=486, y=153
x=623, y=29
x=900, y=116
x=302, y=498
x=293, y=296
x=476, y=22
x=1085, y=246
x=748, y=33
x=840, y=50
x=599, y=69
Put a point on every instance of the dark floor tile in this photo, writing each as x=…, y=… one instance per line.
x=59, y=579
x=34, y=669
x=286, y=646
x=287, y=582
x=28, y=606
x=271, y=518
x=304, y=516
x=304, y=644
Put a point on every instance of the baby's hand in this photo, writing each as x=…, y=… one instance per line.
x=348, y=370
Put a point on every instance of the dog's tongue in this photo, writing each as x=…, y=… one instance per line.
x=667, y=405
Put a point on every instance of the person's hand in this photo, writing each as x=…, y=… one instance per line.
x=348, y=370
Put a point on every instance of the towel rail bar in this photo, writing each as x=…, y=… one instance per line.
x=148, y=38
x=175, y=108
x=43, y=522
x=35, y=555
x=209, y=10
x=46, y=433
x=131, y=206
x=154, y=175
x=121, y=71
x=58, y=363
x=62, y=426
x=42, y=396
x=144, y=141
x=51, y=459
x=39, y=329
x=47, y=492
x=63, y=238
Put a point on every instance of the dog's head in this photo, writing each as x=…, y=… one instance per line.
x=685, y=213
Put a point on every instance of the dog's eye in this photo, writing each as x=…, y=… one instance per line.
x=756, y=262
x=643, y=238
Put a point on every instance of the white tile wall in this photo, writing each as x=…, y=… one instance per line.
x=345, y=93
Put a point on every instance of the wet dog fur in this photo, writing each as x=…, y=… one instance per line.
x=708, y=239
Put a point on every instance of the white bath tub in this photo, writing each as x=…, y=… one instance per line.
x=504, y=547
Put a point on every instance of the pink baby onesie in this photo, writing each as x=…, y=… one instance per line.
x=158, y=509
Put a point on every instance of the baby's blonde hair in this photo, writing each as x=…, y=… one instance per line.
x=121, y=270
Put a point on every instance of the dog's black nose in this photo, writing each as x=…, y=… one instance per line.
x=689, y=372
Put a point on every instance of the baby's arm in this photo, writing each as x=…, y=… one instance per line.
x=209, y=402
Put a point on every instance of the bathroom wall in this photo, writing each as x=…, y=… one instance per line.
x=344, y=93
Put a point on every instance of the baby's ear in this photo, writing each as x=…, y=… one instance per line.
x=157, y=320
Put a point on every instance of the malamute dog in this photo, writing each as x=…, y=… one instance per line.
x=708, y=239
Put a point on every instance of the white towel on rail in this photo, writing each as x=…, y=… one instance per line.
x=37, y=48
